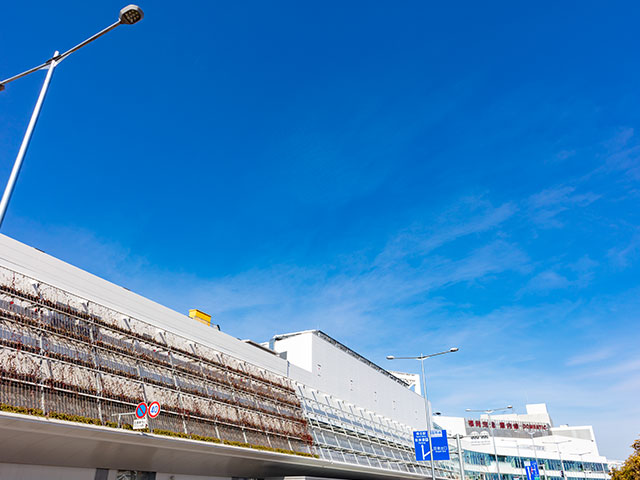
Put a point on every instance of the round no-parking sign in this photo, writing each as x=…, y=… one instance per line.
x=141, y=410
x=154, y=409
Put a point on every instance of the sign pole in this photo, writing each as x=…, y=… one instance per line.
x=460, y=459
x=495, y=451
x=141, y=412
x=428, y=413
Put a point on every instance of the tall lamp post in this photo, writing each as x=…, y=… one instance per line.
x=582, y=462
x=128, y=16
x=557, y=444
x=422, y=358
x=535, y=452
x=493, y=438
x=460, y=454
x=592, y=471
x=518, y=457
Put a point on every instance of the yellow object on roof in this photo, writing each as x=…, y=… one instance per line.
x=200, y=316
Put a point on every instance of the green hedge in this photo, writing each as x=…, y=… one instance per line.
x=74, y=418
x=25, y=411
x=203, y=438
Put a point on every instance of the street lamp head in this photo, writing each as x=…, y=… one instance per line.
x=467, y=409
x=454, y=349
x=390, y=357
x=509, y=406
x=131, y=14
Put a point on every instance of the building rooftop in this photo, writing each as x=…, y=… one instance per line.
x=344, y=348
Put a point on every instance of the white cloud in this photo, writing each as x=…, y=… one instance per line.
x=623, y=256
x=546, y=206
x=622, y=367
x=469, y=216
x=590, y=356
x=546, y=281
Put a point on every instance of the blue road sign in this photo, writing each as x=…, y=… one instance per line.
x=532, y=470
x=141, y=410
x=440, y=445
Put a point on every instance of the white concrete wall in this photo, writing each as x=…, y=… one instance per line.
x=582, y=439
x=583, y=432
x=329, y=369
x=298, y=351
x=453, y=425
x=14, y=471
x=536, y=413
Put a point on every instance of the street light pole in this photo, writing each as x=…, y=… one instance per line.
x=128, y=15
x=535, y=452
x=587, y=471
x=561, y=461
x=557, y=444
x=518, y=458
x=422, y=358
x=460, y=457
x=4, y=203
x=493, y=438
x=428, y=413
x=495, y=450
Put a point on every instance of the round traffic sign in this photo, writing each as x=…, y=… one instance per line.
x=154, y=409
x=141, y=410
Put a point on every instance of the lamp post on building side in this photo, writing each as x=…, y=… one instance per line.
x=493, y=438
x=422, y=358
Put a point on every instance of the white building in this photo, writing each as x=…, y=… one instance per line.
x=564, y=451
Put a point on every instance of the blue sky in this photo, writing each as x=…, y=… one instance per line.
x=406, y=177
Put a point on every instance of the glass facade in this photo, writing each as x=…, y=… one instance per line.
x=474, y=459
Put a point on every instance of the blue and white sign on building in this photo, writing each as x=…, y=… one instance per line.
x=440, y=445
x=532, y=470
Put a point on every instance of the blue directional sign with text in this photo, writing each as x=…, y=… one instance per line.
x=532, y=470
x=440, y=445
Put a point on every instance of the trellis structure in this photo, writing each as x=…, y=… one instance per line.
x=67, y=356
x=343, y=432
